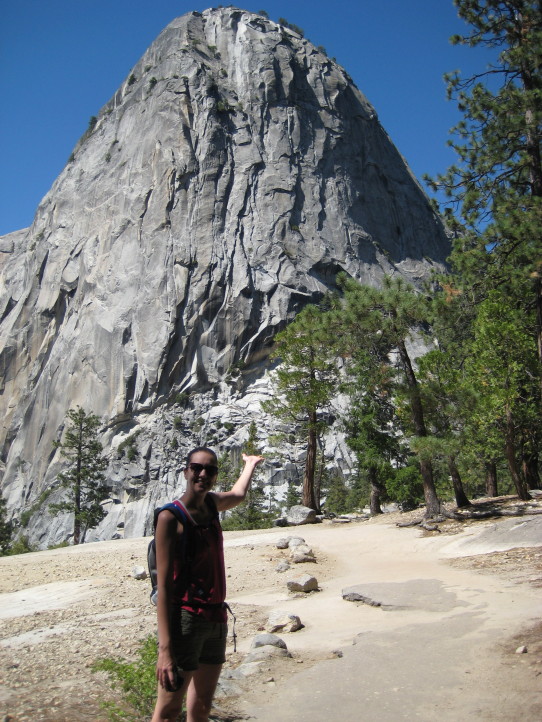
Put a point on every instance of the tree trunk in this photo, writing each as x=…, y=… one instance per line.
x=529, y=465
x=77, y=489
x=510, y=450
x=318, y=480
x=309, y=498
x=376, y=492
x=491, y=478
x=432, y=504
x=461, y=499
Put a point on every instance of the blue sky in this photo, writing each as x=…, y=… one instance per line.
x=61, y=61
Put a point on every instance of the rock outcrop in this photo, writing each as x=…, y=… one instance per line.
x=229, y=179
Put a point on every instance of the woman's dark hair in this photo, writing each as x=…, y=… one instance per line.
x=200, y=448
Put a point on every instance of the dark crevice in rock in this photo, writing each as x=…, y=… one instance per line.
x=10, y=305
x=129, y=392
x=42, y=268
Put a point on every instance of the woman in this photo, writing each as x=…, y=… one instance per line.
x=191, y=583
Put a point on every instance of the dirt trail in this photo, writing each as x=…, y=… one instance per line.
x=442, y=645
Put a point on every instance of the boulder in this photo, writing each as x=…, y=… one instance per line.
x=268, y=651
x=298, y=515
x=262, y=640
x=280, y=621
x=304, y=583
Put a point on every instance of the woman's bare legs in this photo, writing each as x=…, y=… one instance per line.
x=169, y=704
x=201, y=691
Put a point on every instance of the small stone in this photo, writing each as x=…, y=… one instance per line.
x=139, y=573
x=262, y=640
x=522, y=649
x=280, y=621
x=282, y=566
x=301, y=548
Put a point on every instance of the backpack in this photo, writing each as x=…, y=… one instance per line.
x=177, y=511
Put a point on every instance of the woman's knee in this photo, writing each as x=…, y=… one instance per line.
x=167, y=709
x=199, y=709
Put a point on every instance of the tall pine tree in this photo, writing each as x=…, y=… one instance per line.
x=83, y=478
x=496, y=191
x=305, y=383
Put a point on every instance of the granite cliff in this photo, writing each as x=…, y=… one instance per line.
x=234, y=173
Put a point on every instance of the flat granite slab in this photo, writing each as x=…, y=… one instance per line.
x=429, y=595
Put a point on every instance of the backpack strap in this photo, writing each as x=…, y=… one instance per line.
x=175, y=508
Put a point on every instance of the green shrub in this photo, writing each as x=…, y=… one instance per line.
x=60, y=545
x=132, y=79
x=152, y=83
x=22, y=545
x=406, y=486
x=6, y=528
x=128, y=447
x=136, y=681
x=36, y=506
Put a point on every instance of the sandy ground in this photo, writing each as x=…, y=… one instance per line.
x=455, y=607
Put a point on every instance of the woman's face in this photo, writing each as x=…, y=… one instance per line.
x=201, y=471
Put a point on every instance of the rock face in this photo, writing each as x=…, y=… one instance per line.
x=229, y=179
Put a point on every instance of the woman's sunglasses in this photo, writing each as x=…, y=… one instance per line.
x=210, y=470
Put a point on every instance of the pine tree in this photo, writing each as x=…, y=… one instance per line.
x=496, y=189
x=6, y=529
x=305, y=383
x=84, y=477
x=373, y=327
x=371, y=424
x=337, y=497
x=293, y=495
x=497, y=185
x=254, y=512
x=502, y=364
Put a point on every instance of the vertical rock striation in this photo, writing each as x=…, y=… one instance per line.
x=231, y=177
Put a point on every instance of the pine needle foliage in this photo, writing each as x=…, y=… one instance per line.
x=83, y=478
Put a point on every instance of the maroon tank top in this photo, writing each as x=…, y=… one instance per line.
x=199, y=576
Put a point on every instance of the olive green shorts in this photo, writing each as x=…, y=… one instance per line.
x=196, y=640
